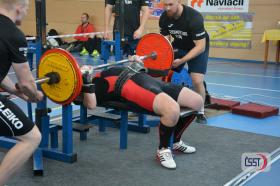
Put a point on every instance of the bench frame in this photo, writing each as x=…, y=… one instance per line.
x=123, y=122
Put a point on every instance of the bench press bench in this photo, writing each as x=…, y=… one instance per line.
x=122, y=119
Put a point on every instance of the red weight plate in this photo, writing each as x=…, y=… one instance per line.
x=161, y=46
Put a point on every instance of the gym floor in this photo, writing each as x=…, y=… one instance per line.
x=219, y=144
x=245, y=82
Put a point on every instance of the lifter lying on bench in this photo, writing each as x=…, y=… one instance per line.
x=134, y=86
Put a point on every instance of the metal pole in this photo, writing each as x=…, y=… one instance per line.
x=42, y=80
x=41, y=42
x=153, y=55
x=41, y=23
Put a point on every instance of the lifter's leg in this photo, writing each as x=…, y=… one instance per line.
x=167, y=108
x=19, y=154
x=197, y=80
x=186, y=98
x=190, y=99
x=169, y=112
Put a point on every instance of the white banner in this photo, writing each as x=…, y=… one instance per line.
x=222, y=6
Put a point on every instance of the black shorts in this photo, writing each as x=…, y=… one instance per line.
x=13, y=121
x=140, y=90
x=195, y=65
x=129, y=45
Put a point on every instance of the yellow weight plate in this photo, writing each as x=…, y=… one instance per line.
x=62, y=62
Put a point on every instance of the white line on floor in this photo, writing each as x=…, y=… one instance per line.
x=240, y=74
x=243, y=87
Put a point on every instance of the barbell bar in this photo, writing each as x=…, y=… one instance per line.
x=50, y=78
x=53, y=77
x=61, y=78
x=152, y=55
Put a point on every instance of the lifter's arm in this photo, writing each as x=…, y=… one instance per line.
x=145, y=15
x=8, y=85
x=89, y=100
x=107, y=17
x=26, y=82
x=199, y=48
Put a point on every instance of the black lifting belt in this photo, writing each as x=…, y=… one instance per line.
x=126, y=74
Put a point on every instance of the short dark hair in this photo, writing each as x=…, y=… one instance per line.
x=86, y=14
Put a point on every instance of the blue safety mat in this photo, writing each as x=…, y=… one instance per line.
x=269, y=126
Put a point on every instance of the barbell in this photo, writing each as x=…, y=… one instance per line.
x=60, y=76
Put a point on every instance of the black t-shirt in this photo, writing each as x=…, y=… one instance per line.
x=185, y=29
x=132, y=15
x=13, y=46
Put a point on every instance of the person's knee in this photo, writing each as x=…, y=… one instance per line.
x=172, y=114
x=199, y=88
x=199, y=102
x=167, y=108
x=197, y=79
x=33, y=137
x=198, y=83
x=36, y=135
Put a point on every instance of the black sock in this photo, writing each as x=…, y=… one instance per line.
x=181, y=126
x=164, y=135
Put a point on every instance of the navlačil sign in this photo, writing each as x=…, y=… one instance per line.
x=220, y=5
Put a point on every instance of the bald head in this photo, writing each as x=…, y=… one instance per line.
x=10, y=4
x=16, y=10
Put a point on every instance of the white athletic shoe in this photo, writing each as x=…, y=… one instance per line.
x=166, y=158
x=182, y=147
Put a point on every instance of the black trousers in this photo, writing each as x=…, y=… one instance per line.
x=93, y=44
x=90, y=45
